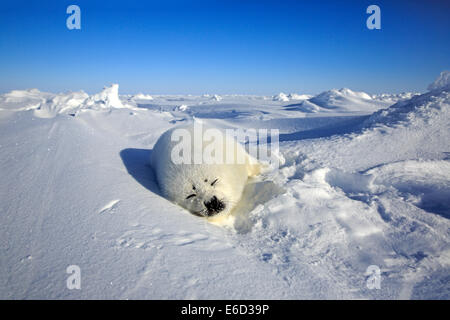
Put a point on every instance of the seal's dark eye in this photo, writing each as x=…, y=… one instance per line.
x=214, y=182
x=190, y=196
x=206, y=180
x=193, y=187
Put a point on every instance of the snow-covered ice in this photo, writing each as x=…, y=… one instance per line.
x=364, y=180
x=441, y=82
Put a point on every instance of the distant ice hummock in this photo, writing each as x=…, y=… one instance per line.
x=107, y=98
x=295, y=96
x=141, y=96
x=281, y=97
x=442, y=81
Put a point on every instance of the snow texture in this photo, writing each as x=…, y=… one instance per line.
x=441, y=82
x=364, y=180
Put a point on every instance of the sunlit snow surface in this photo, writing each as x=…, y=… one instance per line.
x=360, y=183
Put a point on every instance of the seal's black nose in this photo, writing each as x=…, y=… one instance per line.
x=214, y=206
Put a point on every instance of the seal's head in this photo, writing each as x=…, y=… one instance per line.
x=204, y=200
x=208, y=188
x=210, y=195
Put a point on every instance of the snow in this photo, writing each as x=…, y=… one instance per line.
x=281, y=97
x=345, y=100
x=108, y=98
x=291, y=96
x=441, y=82
x=295, y=96
x=393, y=98
x=141, y=96
x=364, y=180
x=18, y=100
x=48, y=105
x=341, y=101
x=61, y=103
x=183, y=107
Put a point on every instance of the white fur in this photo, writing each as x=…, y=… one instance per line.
x=177, y=181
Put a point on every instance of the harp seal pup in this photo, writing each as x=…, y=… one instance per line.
x=212, y=187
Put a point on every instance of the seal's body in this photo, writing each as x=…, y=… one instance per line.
x=211, y=186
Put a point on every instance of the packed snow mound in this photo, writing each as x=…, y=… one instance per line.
x=346, y=100
x=421, y=108
x=341, y=99
x=280, y=97
x=291, y=96
x=306, y=106
x=441, y=82
x=336, y=95
x=141, y=96
x=183, y=107
x=295, y=96
x=107, y=98
x=21, y=94
x=61, y=103
x=18, y=100
x=48, y=105
x=216, y=97
x=393, y=98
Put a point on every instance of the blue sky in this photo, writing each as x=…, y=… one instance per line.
x=254, y=47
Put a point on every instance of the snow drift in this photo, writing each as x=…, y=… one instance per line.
x=441, y=82
x=47, y=105
x=362, y=183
